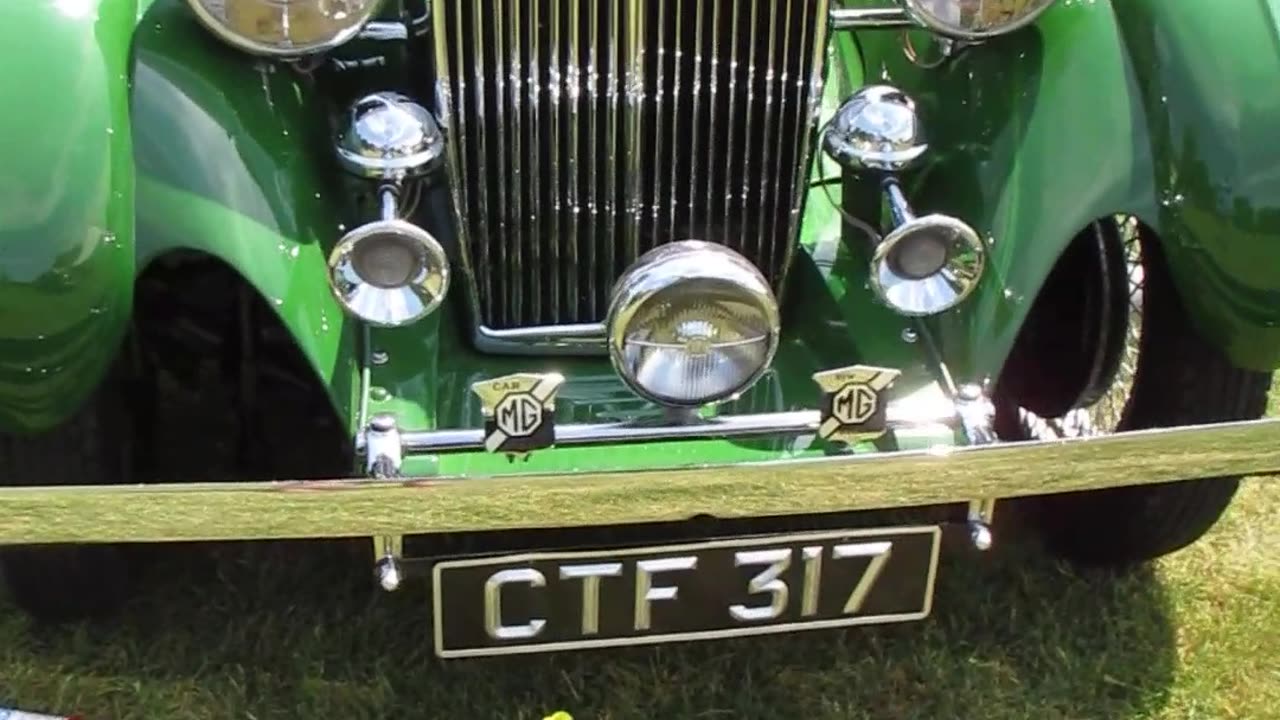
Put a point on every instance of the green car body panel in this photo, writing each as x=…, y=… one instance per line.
x=231, y=161
x=231, y=156
x=66, y=204
x=1149, y=108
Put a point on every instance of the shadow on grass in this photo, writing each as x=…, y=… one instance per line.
x=296, y=630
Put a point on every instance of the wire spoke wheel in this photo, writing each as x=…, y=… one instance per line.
x=1103, y=408
x=1109, y=347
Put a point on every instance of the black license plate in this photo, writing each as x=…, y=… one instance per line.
x=544, y=602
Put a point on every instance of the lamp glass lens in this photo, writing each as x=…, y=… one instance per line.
x=386, y=261
x=285, y=26
x=697, y=342
x=979, y=17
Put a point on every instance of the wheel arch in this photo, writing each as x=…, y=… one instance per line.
x=232, y=162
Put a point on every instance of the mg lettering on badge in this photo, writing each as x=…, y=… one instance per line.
x=519, y=412
x=854, y=404
x=854, y=401
x=518, y=415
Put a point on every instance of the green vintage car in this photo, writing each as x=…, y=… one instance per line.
x=631, y=321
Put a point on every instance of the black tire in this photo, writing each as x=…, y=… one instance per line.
x=57, y=583
x=1180, y=379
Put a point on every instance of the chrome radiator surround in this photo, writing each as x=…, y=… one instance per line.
x=582, y=133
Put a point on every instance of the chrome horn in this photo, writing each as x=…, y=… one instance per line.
x=925, y=265
x=389, y=272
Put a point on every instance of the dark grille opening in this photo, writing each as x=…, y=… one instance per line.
x=585, y=132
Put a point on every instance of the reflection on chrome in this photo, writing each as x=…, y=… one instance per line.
x=692, y=323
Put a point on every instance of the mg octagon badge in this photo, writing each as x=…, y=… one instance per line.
x=519, y=411
x=853, y=402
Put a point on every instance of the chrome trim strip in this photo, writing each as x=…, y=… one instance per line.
x=697, y=114
x=660, y=91
x=715, y=53
x=782, y=424
x=774, y=176
x=613, y=237
x=807, y=140
x=675, y=114
x=453, y=117
x=733, y=116
x=593, y=180
x=503, y=159
x=482, y=157
x=516, y=237
x=870, y=18
x=383, y=31
x=771, y=75
x=635, y=97
x=578, y=339
x=556, y=91
x=534, y=185
x=359, y=508
x=574, y=72
x=751, y=101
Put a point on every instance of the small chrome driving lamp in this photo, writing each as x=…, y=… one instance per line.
x=389, y=272
x=925, y=265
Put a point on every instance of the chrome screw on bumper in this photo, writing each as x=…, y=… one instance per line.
x=383, y=451
x=388, y=550
x=389, y=575
x=977, y=417
x=980, y=535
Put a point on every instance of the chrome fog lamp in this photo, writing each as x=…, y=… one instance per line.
x=925, y=265
x=285, y=28
x=389, y=272
x=975, y=19
x=692, y=323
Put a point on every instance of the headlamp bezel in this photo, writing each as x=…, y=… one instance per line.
x=219, y=29
x=670, y=266
x=926, y=19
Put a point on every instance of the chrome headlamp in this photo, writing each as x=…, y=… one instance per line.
x=975, y=19
x=692, y=323
x=285, y=28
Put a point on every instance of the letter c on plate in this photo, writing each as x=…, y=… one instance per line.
x=493, y=604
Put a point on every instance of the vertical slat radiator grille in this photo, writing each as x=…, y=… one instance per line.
x=584, y=132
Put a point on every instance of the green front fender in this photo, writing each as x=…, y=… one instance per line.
x=1208, y=79
x=1032, y=136
x=233, y=160
x=1035, y=135
x=66, y=203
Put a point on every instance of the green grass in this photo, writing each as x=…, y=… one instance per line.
x=296, y=631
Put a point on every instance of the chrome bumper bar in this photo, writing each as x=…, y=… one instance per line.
x=361, y=508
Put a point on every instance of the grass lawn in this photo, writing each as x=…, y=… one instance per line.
x=290, y=631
